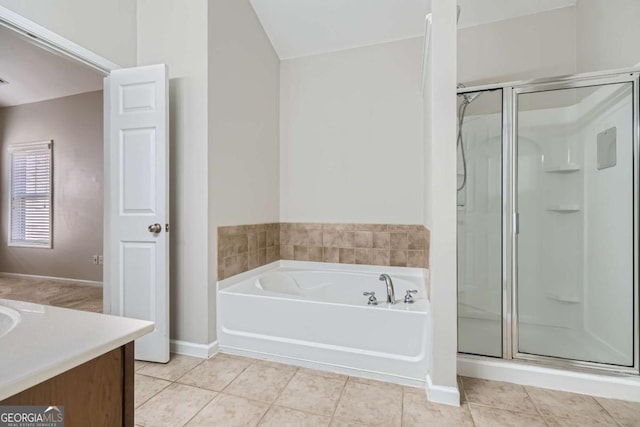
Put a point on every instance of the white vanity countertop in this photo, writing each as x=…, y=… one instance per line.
x=47, y=341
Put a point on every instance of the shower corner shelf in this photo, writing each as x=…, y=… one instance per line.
x=572, y=299
x=564, y=208
x=568, y=168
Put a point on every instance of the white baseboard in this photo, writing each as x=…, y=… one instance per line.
x=202, y=351
x=442, y=394
x=624, y=387
x=51, y=279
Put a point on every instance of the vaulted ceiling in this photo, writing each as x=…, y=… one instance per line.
x=308, y=27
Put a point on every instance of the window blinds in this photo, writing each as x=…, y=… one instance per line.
x=31, y=188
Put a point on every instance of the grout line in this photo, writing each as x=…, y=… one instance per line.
x=344, y=387
x=615, y=420
x=216, y=397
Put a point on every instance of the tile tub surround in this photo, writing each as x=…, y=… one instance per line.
x=245, y=247
x=372, y=244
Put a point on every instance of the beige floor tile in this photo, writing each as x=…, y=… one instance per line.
x=324, y=374
x=139, y=364
x=487, y=416
x=312, y=393
x=370, y=404
x=260, y=382
x=463, y=393
x=281, y=366
x=230, y=411
x=174, y=369
x=572, y=422
x=337, y=422
x=285, y=417
x=173, y=406
x=498, y=394
x=560, y=404
x=376, y=383
x=215, y=373
x=627, y=414
x=418, y=412
x=248, y=360
x=147, y=387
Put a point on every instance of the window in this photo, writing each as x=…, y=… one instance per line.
x=31, y=213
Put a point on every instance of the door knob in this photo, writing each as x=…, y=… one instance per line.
x=155, y=228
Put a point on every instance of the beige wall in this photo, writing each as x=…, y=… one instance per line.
x=523, y=48
x=243, y=91
x=107, y=28
x=74, y=123
x=608, y=34
x=351, y=136
x=175, y=33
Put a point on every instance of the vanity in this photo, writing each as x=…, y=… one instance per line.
x=83, y=361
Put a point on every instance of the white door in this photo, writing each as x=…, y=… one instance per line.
x=136, y=270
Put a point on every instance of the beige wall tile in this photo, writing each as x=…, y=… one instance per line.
x=347, y=239
x=330, y=254
x=301, y=253
x=398, y=258
x=315, y=254
x=286, y=251
x=347, y=256
x=300, y=237
x=364, y=256
x=253, y=260
x=363, y=239
x=252, y=241
x=371, y=227
x=381, y=240
x=416, y=259
x=398, y=240
x=418, y=240
x=338, y=227
x=381, y=257
x=262, y=239
x=245, y=247
x=315, y=237
x=273, y=254
x=331, y=239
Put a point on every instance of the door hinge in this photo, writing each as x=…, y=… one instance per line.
x=516, y=223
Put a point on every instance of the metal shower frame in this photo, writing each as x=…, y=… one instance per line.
x=510, y=92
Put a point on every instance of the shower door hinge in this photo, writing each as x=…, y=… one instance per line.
x=516, y=223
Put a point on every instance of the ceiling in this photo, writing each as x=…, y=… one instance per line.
x=299, y=28
x=35, y=74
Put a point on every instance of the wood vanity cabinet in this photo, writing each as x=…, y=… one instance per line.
x=96, y=393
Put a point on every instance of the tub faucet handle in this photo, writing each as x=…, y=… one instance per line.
x=372, y=298
x=408, y=298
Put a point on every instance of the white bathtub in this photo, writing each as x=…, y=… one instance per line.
x=314, y=315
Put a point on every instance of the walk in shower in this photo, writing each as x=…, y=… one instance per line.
x=548, y=221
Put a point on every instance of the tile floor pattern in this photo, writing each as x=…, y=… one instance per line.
x=229, y=390
x=59, y=294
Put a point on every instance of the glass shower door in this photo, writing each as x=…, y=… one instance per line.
x=574, y=293
x=479, y=216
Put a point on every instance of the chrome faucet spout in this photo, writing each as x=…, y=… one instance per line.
x=391, y=293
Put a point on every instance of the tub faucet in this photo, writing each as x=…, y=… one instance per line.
x=391, y=294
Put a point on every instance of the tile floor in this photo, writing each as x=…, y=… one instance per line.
x=236, y=391
x=229, y=390
x=59, y=294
